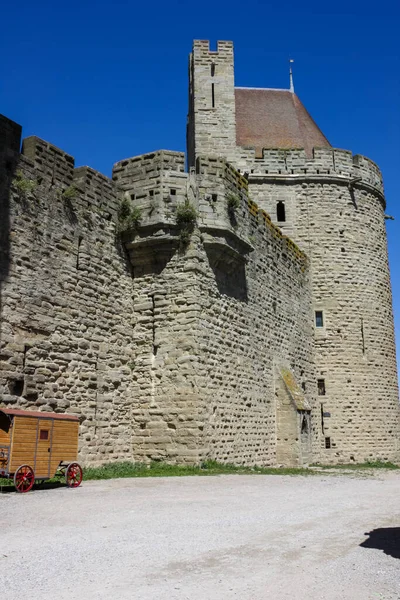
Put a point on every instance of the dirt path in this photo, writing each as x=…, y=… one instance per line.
x=204, y=538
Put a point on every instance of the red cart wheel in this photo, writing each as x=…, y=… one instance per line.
x=73, y=475
x=24, y=478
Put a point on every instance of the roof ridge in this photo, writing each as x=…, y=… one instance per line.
x=239, y=87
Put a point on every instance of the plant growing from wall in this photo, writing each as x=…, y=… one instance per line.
x=186, y=217
x=232, y=205
x=70, y=193
x=24, y=186
x=129, y=216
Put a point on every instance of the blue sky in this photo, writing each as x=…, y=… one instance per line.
x=104, y=81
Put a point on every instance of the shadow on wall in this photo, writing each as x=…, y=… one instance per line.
x=230, y=277
x=10, y=141
x=386, y=539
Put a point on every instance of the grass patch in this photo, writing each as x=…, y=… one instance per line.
x=160, y=469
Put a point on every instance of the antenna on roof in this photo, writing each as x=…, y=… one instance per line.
x=291, y=61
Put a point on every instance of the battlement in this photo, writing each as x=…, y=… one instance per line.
x=49, y=161
x=330, y=162
x=201, y=50
x=98, y=188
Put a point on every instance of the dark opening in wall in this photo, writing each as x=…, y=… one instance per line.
x=280, y=212
x=319, y=318
x=303, y=385
x=322, y=419
x=362, y=336
x=213, y=95
x=212, y=69
x=151, y=192
x=321, y=387
x=214, y=197
x=327, y=442
x=172, y=192
x=133, y=197
x=16, y=387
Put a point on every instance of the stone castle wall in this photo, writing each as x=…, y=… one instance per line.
x=163, y=352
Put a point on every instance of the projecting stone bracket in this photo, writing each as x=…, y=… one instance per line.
x=150, y=251
x=224, y=248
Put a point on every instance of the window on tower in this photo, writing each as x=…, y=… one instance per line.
x=280, y=212
x=319, y=318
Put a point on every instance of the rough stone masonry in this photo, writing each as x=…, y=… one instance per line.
x=240, y=311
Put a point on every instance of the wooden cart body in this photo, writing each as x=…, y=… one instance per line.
x=44, y=441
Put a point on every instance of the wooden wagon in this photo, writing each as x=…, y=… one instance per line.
x=36, y=445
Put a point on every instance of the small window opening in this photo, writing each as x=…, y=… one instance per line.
x=212, y=69
x=151, y=193
x=280, y=212
x=213, y=95
x=44, y=434
x=304, y=424
x=319, y=318
x=303, y=385
x=321, y=387
x=133, y=197
x=327, y=442
x=172, y=192
x=214, y=197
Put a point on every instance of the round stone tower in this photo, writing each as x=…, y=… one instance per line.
x=333, y=207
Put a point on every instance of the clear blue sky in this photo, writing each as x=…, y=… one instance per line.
x=104, y=81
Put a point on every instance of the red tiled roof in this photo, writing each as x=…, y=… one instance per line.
x=275, y=119
x=42, y=415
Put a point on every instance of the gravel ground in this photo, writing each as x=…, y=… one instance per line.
x=203, y=538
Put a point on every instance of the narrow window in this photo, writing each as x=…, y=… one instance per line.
x=172, y=192
x=44, y=434
x=212, y=69
x=151, y=193
x=321, y=387
x=304, y=425
x=327, y=442
x=362, y=336
x=280, y=212
x=319, y=318
x=212, y=95
x=133, y=197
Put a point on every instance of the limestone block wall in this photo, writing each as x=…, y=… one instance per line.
x=66, y=306
x=256, y=317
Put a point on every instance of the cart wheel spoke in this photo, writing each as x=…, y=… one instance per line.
x=24, y=478
x=73, y=475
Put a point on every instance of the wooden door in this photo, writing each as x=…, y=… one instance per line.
x=43, y=448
